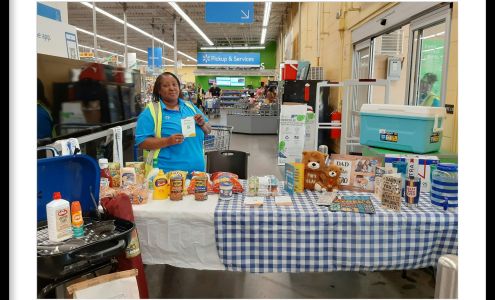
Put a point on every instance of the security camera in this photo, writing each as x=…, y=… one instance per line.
x=383, y=22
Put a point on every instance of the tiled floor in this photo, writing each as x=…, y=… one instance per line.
x=170, y=282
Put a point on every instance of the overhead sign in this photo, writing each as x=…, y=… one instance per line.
x=48, y=12
x=232, y=59
x=155, y=59
x=229, y=12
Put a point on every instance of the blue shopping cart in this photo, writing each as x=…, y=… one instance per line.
x=219, y=138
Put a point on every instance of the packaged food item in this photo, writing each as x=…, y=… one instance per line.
x=161, y=186
x=200, y=190
x=105, y=177
x=252, y=185
x=182, y=174
x=176, y=187
x=192, y=184
x=139, y=170
x=128, y=176
x=253, y=201
x=137, y=193
x=114, y=168
x=218, y=177
x=151, y=176
x=225, y=190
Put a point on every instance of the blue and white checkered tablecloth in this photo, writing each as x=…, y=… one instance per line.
x=310, y=238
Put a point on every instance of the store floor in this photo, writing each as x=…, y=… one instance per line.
x=165, y=281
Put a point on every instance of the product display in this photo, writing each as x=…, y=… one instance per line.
x=269, y=138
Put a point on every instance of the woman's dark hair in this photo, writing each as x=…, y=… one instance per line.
x=156, y=87
x=41, y=94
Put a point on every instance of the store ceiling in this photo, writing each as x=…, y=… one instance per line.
x=161, y=14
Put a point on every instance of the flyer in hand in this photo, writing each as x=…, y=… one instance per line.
x=359, y=203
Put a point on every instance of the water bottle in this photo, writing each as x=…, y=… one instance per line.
x=444, y=186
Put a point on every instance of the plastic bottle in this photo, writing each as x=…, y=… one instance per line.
x=105, y=177
x=77, y=219
x=58, y=219
x=161, y=186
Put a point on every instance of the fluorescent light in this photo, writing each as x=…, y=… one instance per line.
x=135, y=28
x=193, y=25
x=234, y=48
x=266, y=15
x=115, y=42
x=101, y=11
x=263, y=35
x=266, y=18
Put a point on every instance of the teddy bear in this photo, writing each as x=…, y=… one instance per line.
x=331, y=177
x=314, y=166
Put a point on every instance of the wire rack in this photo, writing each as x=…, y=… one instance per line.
x=219, y=138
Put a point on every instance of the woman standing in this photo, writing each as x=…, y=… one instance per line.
x=159, y=128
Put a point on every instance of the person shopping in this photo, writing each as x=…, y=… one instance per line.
x=159, y=127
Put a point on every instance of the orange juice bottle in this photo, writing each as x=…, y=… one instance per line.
x=77, y=219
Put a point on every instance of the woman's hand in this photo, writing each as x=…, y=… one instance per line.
x=199, y=120
x=175, y=139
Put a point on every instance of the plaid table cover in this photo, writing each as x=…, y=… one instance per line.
x=310, y=238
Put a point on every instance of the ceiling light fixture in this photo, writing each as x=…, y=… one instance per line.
x=116, y=42
x=266, y=15
x=234, y=48
x=263, y=35
x=266, y=18
x=193, y=25
x=134, y=27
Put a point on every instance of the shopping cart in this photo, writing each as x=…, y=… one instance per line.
x=212, y=108
x=219, y=138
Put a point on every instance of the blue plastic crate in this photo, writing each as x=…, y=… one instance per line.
x=76, y=177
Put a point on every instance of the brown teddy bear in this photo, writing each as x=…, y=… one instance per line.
x=331, y=177
x=314, y=166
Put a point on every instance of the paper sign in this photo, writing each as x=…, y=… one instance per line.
x=391, y=191
x=188, y=127
x=283, y=201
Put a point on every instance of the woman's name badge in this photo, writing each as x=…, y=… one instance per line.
x=188, y=127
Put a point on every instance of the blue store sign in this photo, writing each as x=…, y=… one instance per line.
x=229, y=12
x=232, y=59
x=157, y=56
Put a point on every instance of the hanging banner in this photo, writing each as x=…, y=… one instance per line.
x=291, y=133
x=155, y=58
x=231, y=59
x=229, y=12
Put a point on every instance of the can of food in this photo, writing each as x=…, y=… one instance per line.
x=200, y=189
x=176, y=189
x=225, y=190
x=412, y=190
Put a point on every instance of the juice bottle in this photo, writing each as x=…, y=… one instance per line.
x=77, y=219
x=105, y=177
x=58, y=219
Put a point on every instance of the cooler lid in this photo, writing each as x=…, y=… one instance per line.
x=403, y=110
x=76, y=177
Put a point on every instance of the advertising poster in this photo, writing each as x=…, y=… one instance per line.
x=291, y=133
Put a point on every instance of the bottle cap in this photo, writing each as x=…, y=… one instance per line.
x=103, y=162
x=75, y=206
x=57, y=196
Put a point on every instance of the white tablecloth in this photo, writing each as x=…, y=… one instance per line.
x=178, y=233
